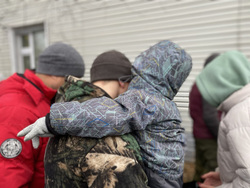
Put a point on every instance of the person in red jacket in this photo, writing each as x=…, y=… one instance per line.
x=23, y=99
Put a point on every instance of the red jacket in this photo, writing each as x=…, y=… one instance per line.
x=22, y=103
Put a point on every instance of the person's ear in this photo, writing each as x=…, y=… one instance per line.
x=52, y=77
x=56, y=78
x=121, y=84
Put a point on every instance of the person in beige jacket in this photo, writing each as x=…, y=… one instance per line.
x=225, y=83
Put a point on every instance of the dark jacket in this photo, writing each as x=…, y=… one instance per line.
x=205, y=117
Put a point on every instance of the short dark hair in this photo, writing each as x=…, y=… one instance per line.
x=211, y=58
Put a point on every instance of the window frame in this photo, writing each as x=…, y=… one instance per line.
x=18, y=51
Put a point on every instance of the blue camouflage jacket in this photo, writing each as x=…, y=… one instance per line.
x=146, y=109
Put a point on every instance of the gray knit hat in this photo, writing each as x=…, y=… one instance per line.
x=110, y=65
x=60, y=59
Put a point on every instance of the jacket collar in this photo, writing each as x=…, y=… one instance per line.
x=235, y=98
x=36, y=94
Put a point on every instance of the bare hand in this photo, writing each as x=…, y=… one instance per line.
x=212, y=179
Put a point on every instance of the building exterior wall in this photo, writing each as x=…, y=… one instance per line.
x=131, y=26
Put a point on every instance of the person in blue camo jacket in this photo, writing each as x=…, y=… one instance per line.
x=146, y=109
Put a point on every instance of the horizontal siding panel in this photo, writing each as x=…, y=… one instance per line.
x=140, y=25
x=117, y=13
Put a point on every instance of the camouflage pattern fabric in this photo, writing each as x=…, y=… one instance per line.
x=91, y=163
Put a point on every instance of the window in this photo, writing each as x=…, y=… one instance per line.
x=29, y=42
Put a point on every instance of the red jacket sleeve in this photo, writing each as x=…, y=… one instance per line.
x=20, y=164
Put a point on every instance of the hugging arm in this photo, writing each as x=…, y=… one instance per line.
x=99, y=117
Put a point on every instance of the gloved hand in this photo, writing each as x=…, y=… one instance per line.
x=34, y=131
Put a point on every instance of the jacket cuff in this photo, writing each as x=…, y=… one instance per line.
x=48, y=125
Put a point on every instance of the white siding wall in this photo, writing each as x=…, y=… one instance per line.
x=131, y=26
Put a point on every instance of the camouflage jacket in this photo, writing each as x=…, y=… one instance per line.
x=87, y=162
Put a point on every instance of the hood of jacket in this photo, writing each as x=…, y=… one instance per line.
x=226, y=74
x=237, y=97
x=163, y=67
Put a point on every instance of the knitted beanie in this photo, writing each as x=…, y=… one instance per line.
x=110, y=65
x=60, y=59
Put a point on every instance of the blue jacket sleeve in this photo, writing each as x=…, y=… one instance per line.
x=101, y=117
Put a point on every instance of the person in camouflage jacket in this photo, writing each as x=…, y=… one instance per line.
x=87, y=162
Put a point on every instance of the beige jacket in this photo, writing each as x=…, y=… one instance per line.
x=234, y=140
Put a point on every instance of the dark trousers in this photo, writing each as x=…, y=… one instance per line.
x=156, y=181
x=205, y=157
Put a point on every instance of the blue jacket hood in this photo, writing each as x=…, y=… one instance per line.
x=164, y=66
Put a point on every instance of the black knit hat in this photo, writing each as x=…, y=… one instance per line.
x=110, y=65
x=60, y=59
